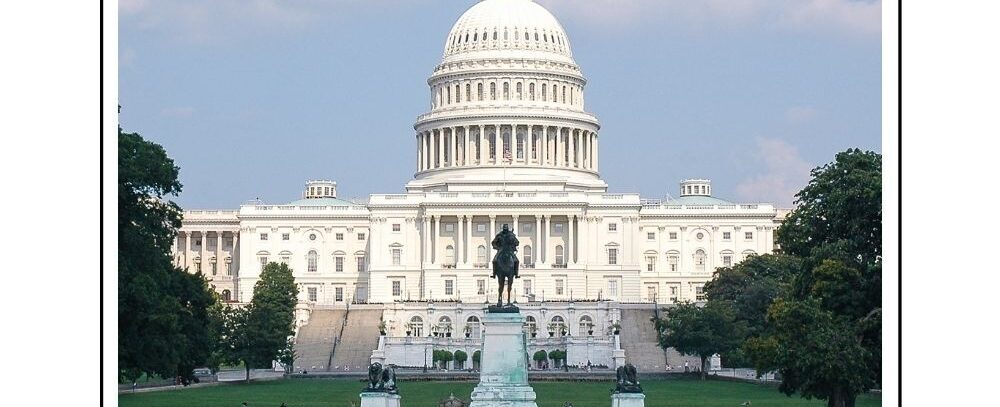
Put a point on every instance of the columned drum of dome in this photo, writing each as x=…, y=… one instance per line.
x=507, y=107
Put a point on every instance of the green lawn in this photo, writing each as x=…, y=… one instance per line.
x=341, y=392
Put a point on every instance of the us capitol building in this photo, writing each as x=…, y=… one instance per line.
x=507, y=141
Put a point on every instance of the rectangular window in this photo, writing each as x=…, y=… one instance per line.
x=480, y=227
x=449, y=227
x=339, y=264
x=396, y=227
x=527, y=287
x=339, y=236
x=651, y=293
x=397, y=288
x=650, y=235
x=361, y=264
x=612, y=256
x=481, y=287
x=612, y=227
x=197, y=266
x=312, y=294
x=285, y=236
x=397, y=255
x=263, y=236
x=650, y=263
x=338, y=294
x=229, y=267
x=612, y=288
x=673, y=235
x=699, y=293
x=748, y=235
x=263, y=262
x=560, y=286
x=727, y=235
x=727, y=261
x=361, y=236
x=526, y=228
x=449, y=287
x=673, y=260
x=673, y=293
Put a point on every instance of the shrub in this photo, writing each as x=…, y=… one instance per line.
x=540, y=356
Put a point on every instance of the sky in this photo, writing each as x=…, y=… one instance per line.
x=251, y=98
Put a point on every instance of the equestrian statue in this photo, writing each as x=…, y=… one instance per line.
x=505, y=264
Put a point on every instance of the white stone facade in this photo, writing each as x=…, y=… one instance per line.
x=507, y=140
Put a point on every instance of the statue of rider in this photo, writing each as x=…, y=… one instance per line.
x=505, y=263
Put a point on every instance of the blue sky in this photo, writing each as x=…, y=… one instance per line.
x=253, y=97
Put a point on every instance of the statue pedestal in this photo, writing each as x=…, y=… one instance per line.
x=503, y=377
x=628, y=400
x=373, y=399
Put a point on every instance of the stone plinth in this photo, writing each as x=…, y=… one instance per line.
x=503, y=377
x=628, y=400
x=372, y=399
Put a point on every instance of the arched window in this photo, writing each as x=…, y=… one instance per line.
x=506, y=91
x=564, y=94
x=586, y=324
x=557, y=325
x=449, y=255
x=531, y=91
x=527, y=256
x=559, y=255
x=674, y=260
x=475, y=37
x=312, y=258
x=650, y=260
x=493, y=91
x=458, y=93
x=468, y=92
x=480, y=87
x=494, y=35
x=545, y=88
x=227, y=296
x=520, y=89
x=416, y=326
x=481, y=255
x=448, y=94
x=727, y=258
x=443, y=326
x=530, y=324
x=526, y=37
x=699, y=260
x=473, y=327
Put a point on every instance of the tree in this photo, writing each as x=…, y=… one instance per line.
x=824, y=333
x=476, y=356
x=164, y=326
x=540, y=356
x=260, y=332
x=701, y=331
x=752, y=285
x=287, y=356
x=461, y=357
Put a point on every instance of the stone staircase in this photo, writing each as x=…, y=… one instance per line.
x=315, y=341
x=360, y=337
x=642, y=349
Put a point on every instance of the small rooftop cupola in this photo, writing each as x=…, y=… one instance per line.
x=320, y=189
x=696, y=187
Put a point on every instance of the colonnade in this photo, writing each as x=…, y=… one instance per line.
x=541, y=239
x=520, y=144
x=194, y=256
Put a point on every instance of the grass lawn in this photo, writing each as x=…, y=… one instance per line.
x=341, y=392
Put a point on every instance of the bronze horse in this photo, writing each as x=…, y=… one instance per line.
x=505, y=263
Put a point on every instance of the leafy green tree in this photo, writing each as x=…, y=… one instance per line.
x=540, y=356
x=260, y=332
x=164, y=326
x=476, y=356
x=824, y=333
x=461, y=356
x=287, y=355
x=752, y=285
x=701, y=331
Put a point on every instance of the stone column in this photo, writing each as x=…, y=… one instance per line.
x=458, y=240
x=513, y=226
x=529, y=144
x=425, y=233
x=546, y=225
x=465, y=155
x=579, y=148
x=543, y=147
x=440, y=147
x=201, y=249
x=218, y=251
x=468, y=239
x=483, y=151
x=498, y=146
x=454, y=147
x=571, y=147
x=570, y=259
x=435, y=228
x=597, y=150
x=558, y=148
x=538, y=239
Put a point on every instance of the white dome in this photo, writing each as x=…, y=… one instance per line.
x=508, y=29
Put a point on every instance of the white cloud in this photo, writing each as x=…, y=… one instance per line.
x=850, y=17
x=784, y=173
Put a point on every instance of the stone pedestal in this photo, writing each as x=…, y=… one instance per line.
x=371, y=399
x=628, y=400
x=503, y=377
